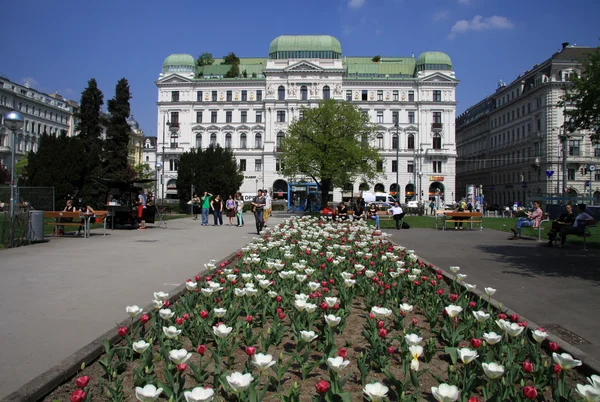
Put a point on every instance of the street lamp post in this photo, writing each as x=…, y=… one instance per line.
x=397, y=162
x=13, y=121
x=162, y=194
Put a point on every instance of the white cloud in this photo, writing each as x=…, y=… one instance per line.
x=440, y=16
x=479, y=23
x=464, y=2
x=356, y=3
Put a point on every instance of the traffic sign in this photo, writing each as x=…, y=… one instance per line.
x=592, y=168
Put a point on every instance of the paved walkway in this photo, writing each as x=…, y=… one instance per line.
x=546, y=285
x=59, y=296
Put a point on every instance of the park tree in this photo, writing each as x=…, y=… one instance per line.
x=90, y=132
x=584, y=95
x=205, y=59
x=331, y=145
x=60, y=163
x=234, y=61
x=213, y=169
x=116, y=146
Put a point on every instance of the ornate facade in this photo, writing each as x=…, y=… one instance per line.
x=198, y=106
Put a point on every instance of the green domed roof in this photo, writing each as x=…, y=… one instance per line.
x=434, y=58
x=315, y=43
x=179, y=62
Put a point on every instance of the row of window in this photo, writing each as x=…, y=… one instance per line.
x=258, y=116
x=514, y=114
x=24, y=144
x=37, y=128
x=305, y=54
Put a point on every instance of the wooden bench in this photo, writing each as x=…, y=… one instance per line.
x=58, y=216
x=585, y=234
x=456, y=217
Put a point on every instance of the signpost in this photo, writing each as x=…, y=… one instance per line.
x=591, y=168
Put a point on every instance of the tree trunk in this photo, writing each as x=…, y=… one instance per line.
x=325, y=187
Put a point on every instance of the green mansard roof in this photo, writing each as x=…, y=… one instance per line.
x=315, y=43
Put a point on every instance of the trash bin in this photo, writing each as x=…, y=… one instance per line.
x=35, y=230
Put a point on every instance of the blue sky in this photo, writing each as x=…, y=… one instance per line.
x=58, y=45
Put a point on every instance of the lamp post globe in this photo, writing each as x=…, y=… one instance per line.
x=13, y=121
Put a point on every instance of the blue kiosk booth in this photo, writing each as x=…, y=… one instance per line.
x=299, y=193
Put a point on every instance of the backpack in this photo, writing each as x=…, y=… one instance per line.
x=405, y=225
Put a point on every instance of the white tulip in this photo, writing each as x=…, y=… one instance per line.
x=301, y=278
x=239, y=382
x=207, y=291
x=332, y=320
x=347, y=275
x=407, y=308
x=369, y=273
x=349, y=282
x=259, y=277
x=310, y=308
x=191, y=286
x=308, y=336
x=588, y=392
x=461, y=277
x=314, y=286
x=493, y=370
x=453, y=310
x=246, y=277
x=454, y=269
x=158, y=304
x=416, y=271
x=565, y=361
x=179, y=356
x=502, y=324
x=299, y=304
x=140, y=346
x=594, y=381
x=251, y=292
x=165, y=313
x=539, y=336
x=412, y=277
x=171, y=332
x=331, y=301
x=264, y=283
x=376, y=391
x=240, y=292
x=381, y=312
x=492, y=338
x=148, y=394
x=262, y=361
x=489, y=291
x=337, y=363
x=219, y=312
x=514, y=329
x=415, y=351
x=445, y=393
x=467, y=355
x=470, y=287
x=199, y=394
x=480, y=316
x=301, y=296
x=412, y=339
x=272, y=294
x=358, y=267
x=133, y=310
x=161, y=295
x=222, y=330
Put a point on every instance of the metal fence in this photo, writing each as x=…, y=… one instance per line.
x=40, y=198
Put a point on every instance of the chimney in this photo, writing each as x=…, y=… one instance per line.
x=564, y=45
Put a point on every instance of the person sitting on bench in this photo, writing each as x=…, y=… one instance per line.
x=582, y=220
x=565, y=219
x=68, y=208
x=533, y=219
x=86, y=210
x=342, y=211
x=397, y=213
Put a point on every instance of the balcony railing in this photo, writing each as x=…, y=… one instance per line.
x=436, y=127
x=4, y=148
x=174, y=126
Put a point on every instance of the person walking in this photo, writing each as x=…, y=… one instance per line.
x=231, y=207
x=217, y=206
x=431, y=208
x=205, y=199
x=140, y=209
x=268, y=206
x=195, y=205
x=258, y=204
x=240, y=209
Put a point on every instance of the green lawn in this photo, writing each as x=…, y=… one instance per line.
x=501, y=224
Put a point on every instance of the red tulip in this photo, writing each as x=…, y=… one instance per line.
x=186, y=316
x=204, y=314
x=166, y=303
x=324, y=306
x=557, y=369
x=249, y=318
x=380, y=324
x=472, y=304
x=514, y=317
x=181, y=367
x=475, y=343
x=342, y=352
x=250, y=350
x=415, y=321
x=473, y=399
x=439, y=277
x=322, y=386
x=553, y=346
x=530, y=392
x=278, y=299
x=82, y=381
x=528, y=367
x=122, y=331
x=281, y=316
x=440, y=292
x=179, y=321
x=383, y=332
x=144, y=318
x=78, y=396
x=391, y=350
x=453, y=297
x=201, y=349
x=197, y=278
x=502, y=316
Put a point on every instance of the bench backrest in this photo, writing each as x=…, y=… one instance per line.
x=464, y=214
x=100, y=216
x=61, y=214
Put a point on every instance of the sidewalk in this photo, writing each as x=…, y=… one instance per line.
x=57, y=297
x=549, y=286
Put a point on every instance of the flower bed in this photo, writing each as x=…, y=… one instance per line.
x=328, y=312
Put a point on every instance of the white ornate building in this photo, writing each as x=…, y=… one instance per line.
x=509, y=146
x=198, y=106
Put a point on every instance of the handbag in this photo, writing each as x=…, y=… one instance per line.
x=405, y=225
x=253, y=208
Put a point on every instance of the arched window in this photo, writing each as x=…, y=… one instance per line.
x=326, y=92
x=303, y=93
x=411, y=141
x=258, y=141
x=281, y=93
x=228, y=140
x=147, y=159
x=395, y=141
x=280, y=136
x=213, y=140
x=437, y=141
x=363, y=187
x=380, y=141
x=198, y=141
x=243, y=141
x=379, y=188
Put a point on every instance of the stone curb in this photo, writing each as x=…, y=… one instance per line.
x=52, y=378
x=589, y=365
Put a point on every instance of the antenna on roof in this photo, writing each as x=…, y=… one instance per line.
x=413, y=55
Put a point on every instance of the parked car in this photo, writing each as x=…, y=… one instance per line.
x=412, y=204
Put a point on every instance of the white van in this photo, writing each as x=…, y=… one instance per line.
x=379, y=198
